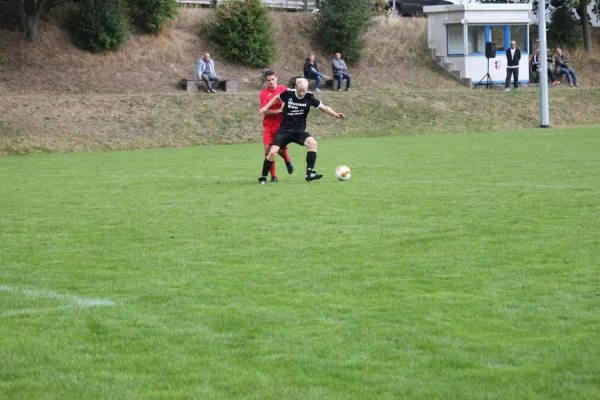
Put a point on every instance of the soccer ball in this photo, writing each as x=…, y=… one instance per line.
x=343, y=173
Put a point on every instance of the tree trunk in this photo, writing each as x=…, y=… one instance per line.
x=30, y=12
x=32, y=29
x=587, y=32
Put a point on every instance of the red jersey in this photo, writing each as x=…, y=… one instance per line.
x=265, y=96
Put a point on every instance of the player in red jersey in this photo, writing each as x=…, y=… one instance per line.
x=272, y=120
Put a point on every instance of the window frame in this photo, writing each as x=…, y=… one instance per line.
x=507, y=38
x=448, y=42
x=478, y=53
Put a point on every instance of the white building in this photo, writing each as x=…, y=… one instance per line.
x=457, y=34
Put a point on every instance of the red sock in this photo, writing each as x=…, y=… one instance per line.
x=273, y=173
x=285, y=155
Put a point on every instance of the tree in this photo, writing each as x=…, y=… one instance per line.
x=243, y=32
x=153, y=15
x=585, y=25
x=564, y=30
x=30, y=12
x=571, y=22
x=341, y=25
x=102, y=25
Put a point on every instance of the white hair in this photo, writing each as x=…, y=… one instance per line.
x=301, y=83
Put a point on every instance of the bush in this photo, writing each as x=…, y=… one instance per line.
x=52, y=4
x=243, y=32
x=341, y=25
x=102, y=25
x=153, y=15
x=564, y=30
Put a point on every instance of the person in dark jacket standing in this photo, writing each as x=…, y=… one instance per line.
x=513, y=56
x=311, y=71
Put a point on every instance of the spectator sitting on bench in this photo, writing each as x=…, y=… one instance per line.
x=562, y=67
x=340, y=71
x=535, y=67
x=206, y=72
x=311, y=71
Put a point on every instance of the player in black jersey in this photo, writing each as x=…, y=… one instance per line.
x=296, y=105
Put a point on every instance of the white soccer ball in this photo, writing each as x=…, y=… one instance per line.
x=343, y=173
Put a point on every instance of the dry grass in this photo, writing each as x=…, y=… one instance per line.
x=395, y=56
x=587, y=66
x=112, y=122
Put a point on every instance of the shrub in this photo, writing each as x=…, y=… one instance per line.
x=52, y=4
x=243, y=32
x=341, y=25
x=102, y=25
x=564, y=30
x=153, y=15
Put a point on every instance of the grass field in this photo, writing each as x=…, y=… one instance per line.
x=450, y=266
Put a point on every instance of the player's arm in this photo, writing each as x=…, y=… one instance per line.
x=271, y=103
x=274, y=112
x=330, y=111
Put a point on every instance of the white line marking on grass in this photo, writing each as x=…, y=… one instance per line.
x=507, y=184
x=24, y=311
x=10, y=313
x=78, y=301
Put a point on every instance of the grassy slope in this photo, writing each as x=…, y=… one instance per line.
x=395, y=56
x=105, y=122
x=450, y=266
x=55, y=97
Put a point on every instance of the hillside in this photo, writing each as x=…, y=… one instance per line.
x=395, y=56
x=55, y=97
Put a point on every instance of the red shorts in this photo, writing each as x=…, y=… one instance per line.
x=269, y=134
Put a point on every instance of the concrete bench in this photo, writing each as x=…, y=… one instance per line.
x=325, y=83
x=193, y=85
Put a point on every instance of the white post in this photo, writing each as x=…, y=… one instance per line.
x=544, y=103
x=394, y=8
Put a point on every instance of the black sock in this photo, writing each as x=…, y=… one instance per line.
x=266, y=167
x=311, y=159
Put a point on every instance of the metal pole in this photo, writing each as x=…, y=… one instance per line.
x=394, y=7
x=544, y=103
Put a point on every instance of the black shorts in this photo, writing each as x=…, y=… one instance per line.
x=283, y=138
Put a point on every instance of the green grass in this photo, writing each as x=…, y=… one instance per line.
x=450, y=266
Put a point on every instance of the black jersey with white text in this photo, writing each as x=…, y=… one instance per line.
x=295, y=110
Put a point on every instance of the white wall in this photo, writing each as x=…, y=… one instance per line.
x=437, y=34
x=476, y=68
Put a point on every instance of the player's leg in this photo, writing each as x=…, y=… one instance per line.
x=268, y=137
x=288, y=161
x=311, y=159
x=281, y=140
x=272, y=170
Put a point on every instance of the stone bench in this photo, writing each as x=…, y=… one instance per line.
x=193, y=85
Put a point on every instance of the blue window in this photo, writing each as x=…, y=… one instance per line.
x=455, y=40
x=478, y=35
x=499, y=35
x=503, y=34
